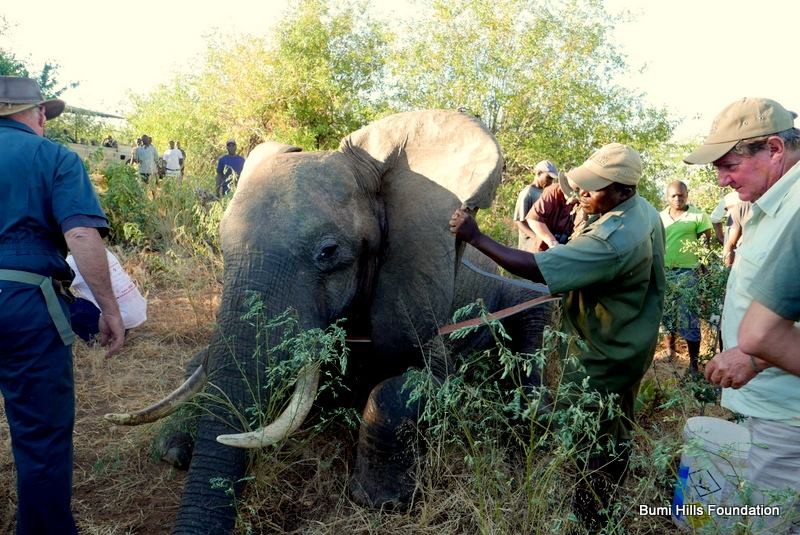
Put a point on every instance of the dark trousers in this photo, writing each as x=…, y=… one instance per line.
x=37, y=385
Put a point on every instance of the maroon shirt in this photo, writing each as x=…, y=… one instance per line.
x=553, y=210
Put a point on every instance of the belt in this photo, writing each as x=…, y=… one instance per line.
x=45, y=284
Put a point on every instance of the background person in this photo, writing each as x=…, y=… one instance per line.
x=544, y=173
x=48, y=205
x=739, y=214
x=612, y=276
x=229, y=167
x=146, y=156
x=755, y=148
x=183, y=158
x=173, y=161
x=684, y=224
x=720, y=215
x=553, y=217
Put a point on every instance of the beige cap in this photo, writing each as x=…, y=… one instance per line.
x=546, y=166
x=614, y=162
x=19, y=94
x=743, y=119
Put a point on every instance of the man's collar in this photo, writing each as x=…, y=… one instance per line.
x=11, y=123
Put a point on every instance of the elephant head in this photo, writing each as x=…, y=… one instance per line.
x=358, y=233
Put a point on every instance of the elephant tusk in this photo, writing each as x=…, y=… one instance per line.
x=166, y=406
x=305, y=390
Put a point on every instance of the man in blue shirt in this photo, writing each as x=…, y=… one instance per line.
x=48, y=206
x=226, y=167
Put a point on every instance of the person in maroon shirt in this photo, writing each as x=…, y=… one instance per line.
x=554, y=216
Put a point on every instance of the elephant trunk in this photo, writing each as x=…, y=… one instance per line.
x=214, y=481
x=236, y=365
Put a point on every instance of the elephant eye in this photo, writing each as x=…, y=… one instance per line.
x=327, y=252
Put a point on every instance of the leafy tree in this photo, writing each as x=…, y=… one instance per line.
x=539, y=73
x=316, y=78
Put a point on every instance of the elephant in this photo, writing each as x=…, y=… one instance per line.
x=359, y=233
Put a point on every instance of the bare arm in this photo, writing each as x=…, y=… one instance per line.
x=89, y=252
x=518, y=262
x=729, y=249
x=523, y=227
x=543, y=232
x=767, y=335
x=718, y=232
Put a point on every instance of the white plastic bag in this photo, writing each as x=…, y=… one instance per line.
x=132, y=305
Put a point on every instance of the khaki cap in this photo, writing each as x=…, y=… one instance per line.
x=611, y=163
x=19, y=94
x=744, y=119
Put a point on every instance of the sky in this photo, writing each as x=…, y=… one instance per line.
x=692, y=56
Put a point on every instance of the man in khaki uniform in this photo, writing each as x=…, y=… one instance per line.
x=612, y=276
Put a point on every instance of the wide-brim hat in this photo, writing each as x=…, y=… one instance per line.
x=611, y=163
x=744, y=119
x=19, y=94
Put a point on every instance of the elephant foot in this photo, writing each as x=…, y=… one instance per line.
x=388, y=449
x=178, y=450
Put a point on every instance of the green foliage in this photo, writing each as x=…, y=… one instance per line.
x=163, y=215
x=537, y=73
x=308, y=84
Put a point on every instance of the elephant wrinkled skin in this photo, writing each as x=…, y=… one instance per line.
x=358, y=233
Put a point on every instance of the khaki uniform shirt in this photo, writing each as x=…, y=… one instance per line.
x=612, y=274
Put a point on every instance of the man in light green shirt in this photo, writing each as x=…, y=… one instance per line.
x=684, y=224
x=755, y=149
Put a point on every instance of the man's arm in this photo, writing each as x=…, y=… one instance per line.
x=89, y=252
x=523, y=227
x=518, y=262
x=718, y=232
x=543, y=232
x=729, y=249
x=767, y=335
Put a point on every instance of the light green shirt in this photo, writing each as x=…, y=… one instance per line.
x=612, y=275
x=773, y=394
x=687, y=228
x=778, y=286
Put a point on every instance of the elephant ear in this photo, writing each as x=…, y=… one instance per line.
x=421, y=166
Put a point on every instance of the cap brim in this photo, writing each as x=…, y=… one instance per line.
x=587, y=180
x=553, y=175
x=564, y=185
x=53, y=108
x=710, y=152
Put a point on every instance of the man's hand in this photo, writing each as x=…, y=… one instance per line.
x=464, y=226
x=730, y=369
x=112, y=333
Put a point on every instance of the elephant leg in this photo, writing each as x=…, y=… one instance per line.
x=388, y=447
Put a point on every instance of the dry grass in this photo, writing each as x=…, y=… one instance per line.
x=299, y=487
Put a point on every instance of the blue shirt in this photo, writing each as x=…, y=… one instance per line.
x=235, y=162
x=46, y=191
